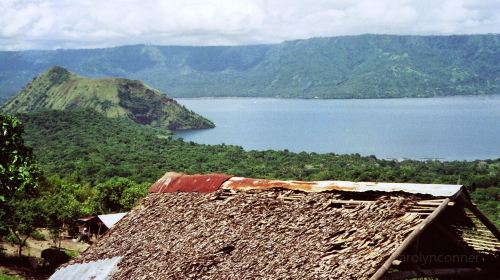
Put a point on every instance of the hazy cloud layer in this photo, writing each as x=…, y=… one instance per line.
x=49, y=24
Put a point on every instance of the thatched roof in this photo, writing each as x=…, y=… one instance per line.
x=228, y=229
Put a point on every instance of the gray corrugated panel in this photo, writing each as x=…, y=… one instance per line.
x=96, y=270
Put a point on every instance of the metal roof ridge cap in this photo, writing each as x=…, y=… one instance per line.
x=229, y=178
x=437, y=190
x=238, y=178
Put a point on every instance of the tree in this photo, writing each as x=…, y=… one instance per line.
x=18, y=172
x=133, y=194
x=19, y=178
x=25, y=216
x=60, y=208
x=109, y=194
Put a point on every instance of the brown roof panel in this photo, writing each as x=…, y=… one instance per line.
x=177, y=182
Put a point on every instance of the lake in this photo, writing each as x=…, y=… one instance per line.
x=450, y=128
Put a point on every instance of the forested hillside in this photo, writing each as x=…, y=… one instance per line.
x=84, y=147
x=60, y=89
x=365, y=66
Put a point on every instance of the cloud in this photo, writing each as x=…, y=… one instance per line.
x=49, y=24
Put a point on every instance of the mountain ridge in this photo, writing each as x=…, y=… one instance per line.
x=60, y=89
x=361, y=66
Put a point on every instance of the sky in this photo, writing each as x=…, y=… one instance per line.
x=53, y=24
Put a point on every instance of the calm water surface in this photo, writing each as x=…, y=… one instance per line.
x=463, y=128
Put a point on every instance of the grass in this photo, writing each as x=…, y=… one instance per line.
x=11, y=268
x=5, y=276
x=35, y=246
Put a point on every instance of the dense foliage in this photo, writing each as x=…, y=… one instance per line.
x=19, y=178
x=18, y=173
x=86, y=148
x=29, y=200
x=338, y=67
x=118, y=194
x=489, y=202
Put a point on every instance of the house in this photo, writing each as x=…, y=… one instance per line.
x=217, y=226
x=96, y=225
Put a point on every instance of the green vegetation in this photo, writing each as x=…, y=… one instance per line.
x=29, y=200
x=9, y=277
x=87, y=150
x=38, y=235
x=118, y=194
x=365, y=66
x=59, y=89
x=488, y=200
x=19, y=178
x=18, y=173
x=71, y=254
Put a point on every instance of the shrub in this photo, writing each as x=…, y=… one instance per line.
x=70, y=253
x=38, y=235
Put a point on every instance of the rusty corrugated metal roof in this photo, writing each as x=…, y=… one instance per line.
x=172, y=182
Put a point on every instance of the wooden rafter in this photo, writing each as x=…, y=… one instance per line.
x=478, y=214
x=410, y=239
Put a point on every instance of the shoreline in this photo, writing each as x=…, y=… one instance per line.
x=423, y=159
x=484, y=96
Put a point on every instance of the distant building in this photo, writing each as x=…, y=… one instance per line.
x=217, y=226
x=96, y=225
